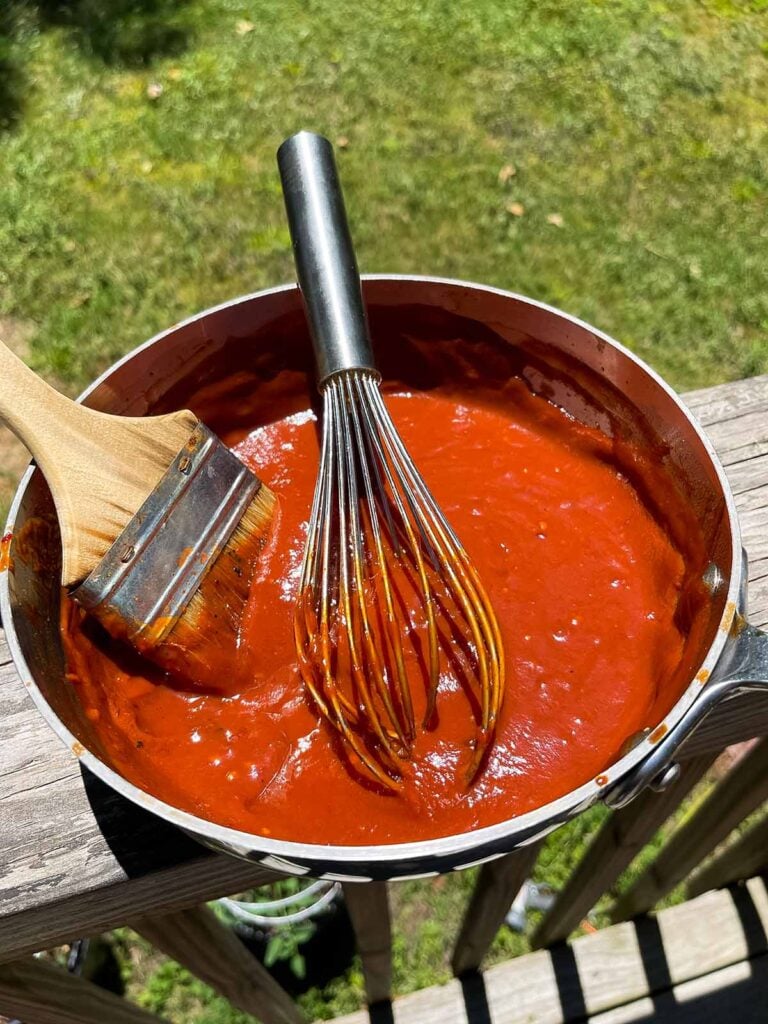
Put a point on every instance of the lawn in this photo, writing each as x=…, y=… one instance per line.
x=607, y=156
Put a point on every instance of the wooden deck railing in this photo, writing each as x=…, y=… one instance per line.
x=742, y=790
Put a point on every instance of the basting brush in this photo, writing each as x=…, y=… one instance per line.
x=161, y=525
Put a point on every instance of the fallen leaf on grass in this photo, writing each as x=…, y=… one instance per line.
x=556, y=219
x=507, y=171
x=244, y=27
x=516, y=209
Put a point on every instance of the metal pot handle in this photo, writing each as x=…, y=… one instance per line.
x=745, y=669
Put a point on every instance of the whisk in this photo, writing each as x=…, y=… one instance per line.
x=387, y=593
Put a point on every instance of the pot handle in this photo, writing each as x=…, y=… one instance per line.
x=745, y=669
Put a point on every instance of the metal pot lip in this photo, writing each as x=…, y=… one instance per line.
x=444, y=846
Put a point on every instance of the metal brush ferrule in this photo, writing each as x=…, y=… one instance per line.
x=146, y=579
x=326, y=267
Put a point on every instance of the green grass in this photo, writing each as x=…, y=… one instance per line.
x=642, y=125
x=608, y=156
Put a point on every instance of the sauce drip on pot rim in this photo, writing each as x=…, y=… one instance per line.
x=590, y=592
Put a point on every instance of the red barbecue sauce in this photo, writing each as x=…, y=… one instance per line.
x=586, y=586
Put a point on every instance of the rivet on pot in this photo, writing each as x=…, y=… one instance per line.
x=665, y=778
x=712, y=578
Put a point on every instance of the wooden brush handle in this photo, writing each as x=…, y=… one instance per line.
x=100, y=468
x=32, y=409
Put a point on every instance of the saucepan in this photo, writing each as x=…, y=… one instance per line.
x=258, y=346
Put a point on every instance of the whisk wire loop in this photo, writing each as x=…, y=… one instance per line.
x=404, y=726
x=351, y=582
x=318, y=606
x=454, y=562
x=379, y=429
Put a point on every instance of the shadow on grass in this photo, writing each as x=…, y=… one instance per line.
x=118, y=33
x=131, y=33
x=11, y=74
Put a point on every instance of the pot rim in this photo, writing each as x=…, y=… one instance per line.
x=533, y=821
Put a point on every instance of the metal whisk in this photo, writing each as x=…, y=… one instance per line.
x=387, y=592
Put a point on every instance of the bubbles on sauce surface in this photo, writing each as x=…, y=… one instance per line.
x=556, y=533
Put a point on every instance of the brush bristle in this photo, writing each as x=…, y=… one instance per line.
x=202, y=647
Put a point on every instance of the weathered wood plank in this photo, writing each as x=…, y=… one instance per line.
x=198, y=940
x=747, y=856
x=732, y=435
x=597, y=973
x=610, y=853
x=75, y=857
x=40, y=993
x=368, y=906
x=64, y=832
x=173, y=888
x=753, y=495
x=758, y=569
x=497, y=885
x=744, y=453
x=726, y=401
x=753, y=532
x=743, y=789
x=735, y=993
x=733, y=722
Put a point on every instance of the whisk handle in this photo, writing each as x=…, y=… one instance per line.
x=326, y=267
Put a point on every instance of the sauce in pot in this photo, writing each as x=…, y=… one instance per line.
x=586, y=584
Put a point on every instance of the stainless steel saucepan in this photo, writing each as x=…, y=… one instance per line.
x=253, y=356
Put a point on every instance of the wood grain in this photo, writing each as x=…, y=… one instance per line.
x=40, y=993
x=732, y=722
x=75, y=857
x=621, y=838
x=743, y=789
x=745, y=857
x=735, y=993
x=497, y=885
x=198, y=940
x=604, y=971
x=368, y=907
x=176, y=887
x=100, y=468
x=725, y=402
